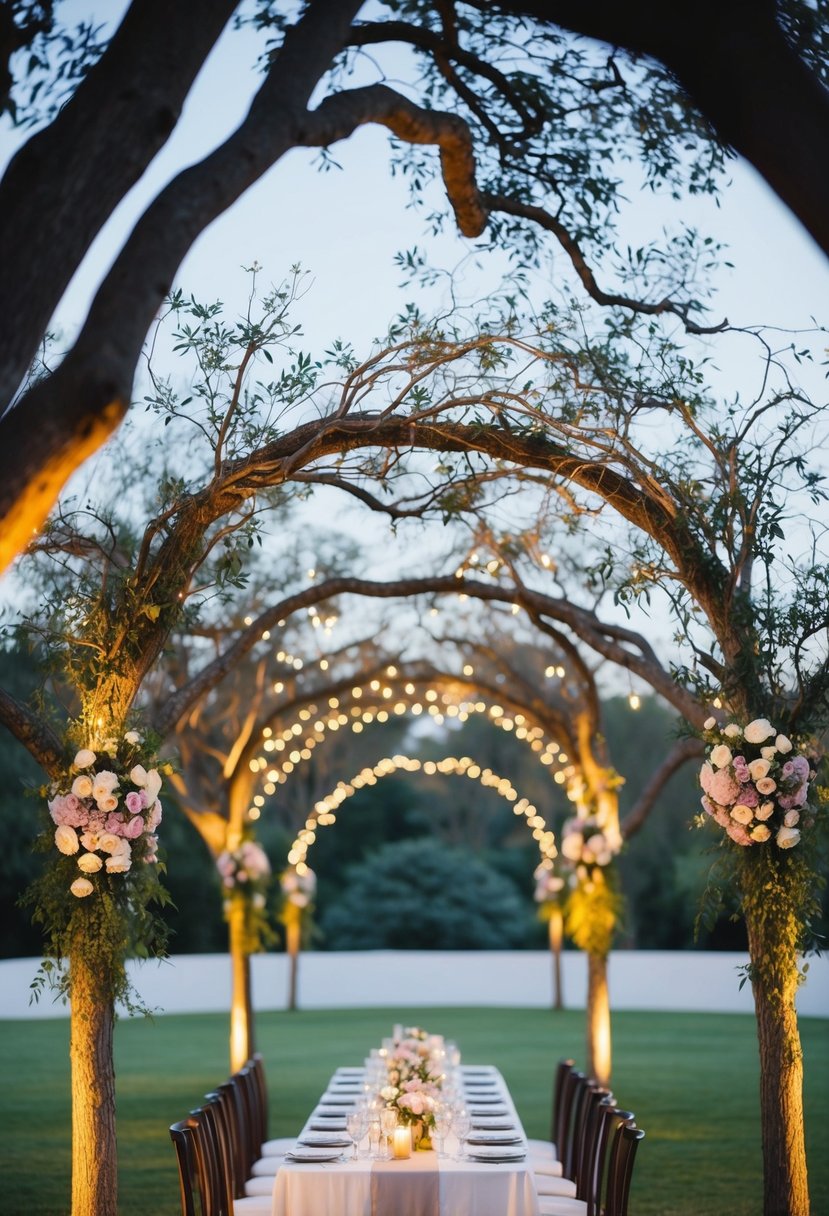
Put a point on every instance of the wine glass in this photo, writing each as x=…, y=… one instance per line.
x=462, y=1123
x=388, y=1122
x=355, y=1123
x=374, y=1134
x=443, y=1126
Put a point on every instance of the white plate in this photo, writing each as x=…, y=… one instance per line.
x=327, y=1139
x=475, y=1110
x=495, y=1152
x=499, y=1122
x=305, y=1153
x=327, y=1125
x=483, y=1136
x=332, y=1099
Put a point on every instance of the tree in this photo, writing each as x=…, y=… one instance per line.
x=528, y=146
x=419, y=895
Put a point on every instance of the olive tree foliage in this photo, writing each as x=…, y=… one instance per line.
x=540, y=135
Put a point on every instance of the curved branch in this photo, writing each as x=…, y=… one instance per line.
x=36, y=736
x=538, y=215
x=682, y=751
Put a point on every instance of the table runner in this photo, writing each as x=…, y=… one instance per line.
x=419, y=1197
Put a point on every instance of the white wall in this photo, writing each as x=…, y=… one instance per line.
x=403, y=979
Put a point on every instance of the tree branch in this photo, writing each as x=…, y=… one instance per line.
x=36, y=736
x=682, y=751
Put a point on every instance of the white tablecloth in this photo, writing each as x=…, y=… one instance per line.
x=465, y=1188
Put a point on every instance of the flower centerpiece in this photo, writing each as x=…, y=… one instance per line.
x=754, y=784
x=415, y=1070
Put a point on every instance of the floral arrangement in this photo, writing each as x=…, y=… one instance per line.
x=415, y=1068
x=754, y=785
x=585, y=843
x=245, y=877
x=107, y=817
x=548, y=885
x=298, y=888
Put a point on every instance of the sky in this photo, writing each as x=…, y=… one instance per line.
x=346, y=226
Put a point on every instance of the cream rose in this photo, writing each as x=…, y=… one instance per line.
x=108, y=802
x=787, y=838
x=66, y=839
x=742, y=814
x=152, y=785
x=89, y=840
x=82, y=786
x=760, y=833
x=90, y=863
x=81, y=887
x=732, y=731
x=764, y=811
x=84, y=758
x=759, y=730
x=791, y=819
x=138, y=775
x=783, y=743
x=766, y=785
x=118, y=863
x=758, y=769
x=721, y=756
x=768, y=753
x=132, y=737
x=709, y=724
x=108, y=842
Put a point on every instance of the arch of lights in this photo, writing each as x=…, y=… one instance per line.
x=283, y=751
x=325, y=811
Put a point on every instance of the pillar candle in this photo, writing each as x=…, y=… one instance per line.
x=402, y=1143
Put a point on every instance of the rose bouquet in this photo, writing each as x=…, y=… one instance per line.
x=415, y=1071
x=585, y=843
x=245, y=876
x=754, y=785
x=107, y=812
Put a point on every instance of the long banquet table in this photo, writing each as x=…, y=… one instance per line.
x=424, y=1184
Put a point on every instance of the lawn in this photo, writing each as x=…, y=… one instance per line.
x=690, y=1078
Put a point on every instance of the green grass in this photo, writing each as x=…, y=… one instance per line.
x=690, y=1078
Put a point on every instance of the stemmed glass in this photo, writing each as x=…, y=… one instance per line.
x=443, y=1126
x=356, y=1122
x=388, y=1122
x=462, y=1123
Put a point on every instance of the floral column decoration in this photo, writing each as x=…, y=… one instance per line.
x=245, y=876
x=758, y=786
x=592, y=910
x=298, y=885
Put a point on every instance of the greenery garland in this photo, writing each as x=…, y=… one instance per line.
x=99, y=892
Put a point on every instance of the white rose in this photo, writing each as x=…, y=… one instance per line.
x=764, y=811
x=106, y=781
x=81, y=887
x=107, y=803
x=138, y=775
x=108, y=842
x=759, y=730
x=153, y=784
x=133, y=737
x=791, y=818
x=118, y=863
x=89, y=840
x=742, y=814
x=721, y=756
x=732, y=731
x=90, y=863
x=84, y=758
x=758, y=769
x=768, y=753
x=783, y=744
x=709, y=724
x=760, y=833
x=572, y=845
x=82, y=786
x=787, y=838
x=66, y=839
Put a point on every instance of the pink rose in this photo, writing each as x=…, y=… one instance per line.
x=723, y=788
x=115, y=824
x=738, y=833
x=154, y=817
x=135, y=802
x=133, y=828
x=749, y=796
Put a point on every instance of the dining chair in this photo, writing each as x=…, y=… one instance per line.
x=585, y=1132
x=620, y=1173
x=609, y=1175
x=256, y=1092
x=181, y=1135
x=548, y=1149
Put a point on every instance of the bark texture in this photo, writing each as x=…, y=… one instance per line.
x=242, y=1044
x=94, y=1159
x=599, y=1060
x=774, y=983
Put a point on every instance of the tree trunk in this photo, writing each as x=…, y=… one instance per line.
x=774, y=983
x=598, y=1019
x=242, y=1044
x=94, y=1159
x=292, y=942
x=556, y=928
